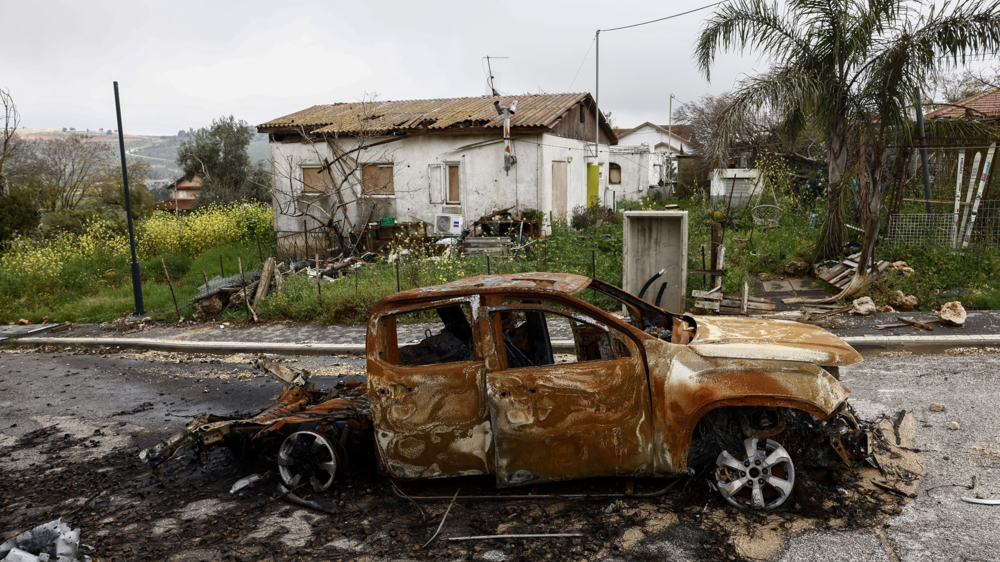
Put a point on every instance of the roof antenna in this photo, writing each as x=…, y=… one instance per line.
x=489, y=79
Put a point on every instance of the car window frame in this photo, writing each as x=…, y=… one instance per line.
x=389, y=356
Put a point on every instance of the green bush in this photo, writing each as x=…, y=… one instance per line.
x=17, y=216
x=177, y=264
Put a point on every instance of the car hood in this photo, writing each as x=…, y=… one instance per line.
x=759, y=338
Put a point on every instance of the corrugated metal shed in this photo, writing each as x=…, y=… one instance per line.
x=379, y=117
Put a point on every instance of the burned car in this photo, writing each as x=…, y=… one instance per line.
x=523, y=380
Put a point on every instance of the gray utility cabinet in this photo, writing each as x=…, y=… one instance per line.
x=656, y=240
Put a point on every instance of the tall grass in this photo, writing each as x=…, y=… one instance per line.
x=81, y=276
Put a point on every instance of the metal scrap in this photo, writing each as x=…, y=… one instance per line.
x=53, y=541
x=981, y=501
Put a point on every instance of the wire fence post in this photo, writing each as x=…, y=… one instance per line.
x=319, y=279
x=170, y=284
x=222, y=270
x=398, y=286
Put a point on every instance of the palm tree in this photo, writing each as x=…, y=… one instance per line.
x=852, y=69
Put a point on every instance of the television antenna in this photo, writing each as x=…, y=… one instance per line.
x=489, y=79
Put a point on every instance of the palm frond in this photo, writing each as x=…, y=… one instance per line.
x=744, y=25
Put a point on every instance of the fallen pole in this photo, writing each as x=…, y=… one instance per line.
x=528, y=536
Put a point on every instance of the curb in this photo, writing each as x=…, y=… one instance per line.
x=226, y=347
x=865, y=345
x=874, y=345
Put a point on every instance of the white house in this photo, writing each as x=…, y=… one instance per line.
x=671, y=139
x=347, y=164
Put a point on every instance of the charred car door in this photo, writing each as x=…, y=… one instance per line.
x=427, y=404
x=576, y=415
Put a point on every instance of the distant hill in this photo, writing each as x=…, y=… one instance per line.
x=160, y=152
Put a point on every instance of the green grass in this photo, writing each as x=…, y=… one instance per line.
x=95, y=291
x=942, y=275
x=86, y=295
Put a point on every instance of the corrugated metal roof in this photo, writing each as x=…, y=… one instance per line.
x=979, y=106
x=533, y=110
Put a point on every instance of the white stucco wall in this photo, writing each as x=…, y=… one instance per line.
x=652, y=137
x=640, y=167
x=420, y=180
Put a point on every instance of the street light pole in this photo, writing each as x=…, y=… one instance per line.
x=597, y=94
x=136, y=279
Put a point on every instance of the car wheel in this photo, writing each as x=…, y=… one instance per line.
x=757, y=477
x=307, y=456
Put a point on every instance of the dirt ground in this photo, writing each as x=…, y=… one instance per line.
x=73, y=424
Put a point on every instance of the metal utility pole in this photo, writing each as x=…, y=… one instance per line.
x=670, y=118
x=597, y=94
x=923, y=153
x=136, y=279
x=508, y=154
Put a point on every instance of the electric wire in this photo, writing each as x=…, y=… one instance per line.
x=583, y=62
x=665, y=18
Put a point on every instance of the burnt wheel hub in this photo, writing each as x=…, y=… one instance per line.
x=306, y=456
x=757, y=477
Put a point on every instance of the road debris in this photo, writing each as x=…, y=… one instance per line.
x=523, y=536
x=937, y=407
x=863, y=306
x=244, y=482
x=54, y=541
x=840, y=274
x=981, y=501
x=926, y=325
x=903, y=302
x=443, y=518
x=954, y=426
x=952, y=314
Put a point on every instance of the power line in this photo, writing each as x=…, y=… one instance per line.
x=666, y=18
x=583, y=62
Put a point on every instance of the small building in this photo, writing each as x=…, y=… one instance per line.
x=183, y=193
x=737, y=184
x=674, y=139
x=346, y=164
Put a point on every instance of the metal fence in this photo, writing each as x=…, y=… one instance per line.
x=945, y=229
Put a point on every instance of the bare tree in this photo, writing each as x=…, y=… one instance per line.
x=342, y=173
x=8, y=136
x=62, y=174
x=719, y=144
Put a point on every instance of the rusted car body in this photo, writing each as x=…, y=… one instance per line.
x=493, y=393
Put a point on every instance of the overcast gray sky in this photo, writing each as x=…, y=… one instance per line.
x=180, y=64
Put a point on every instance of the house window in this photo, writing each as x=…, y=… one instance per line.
x=376, y=179
x=454, y=193
x=614, y=174
x=313, y=180
x=583, y=114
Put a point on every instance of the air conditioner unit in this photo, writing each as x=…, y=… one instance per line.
x=448, y=224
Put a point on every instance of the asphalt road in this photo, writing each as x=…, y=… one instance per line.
x=72, y=423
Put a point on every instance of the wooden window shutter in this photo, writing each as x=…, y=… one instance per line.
x=313, y=180
x=614, y=174
x=434, y=188
x=376, y=179
x=454, y=193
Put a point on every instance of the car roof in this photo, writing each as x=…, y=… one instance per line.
x=568, y=283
